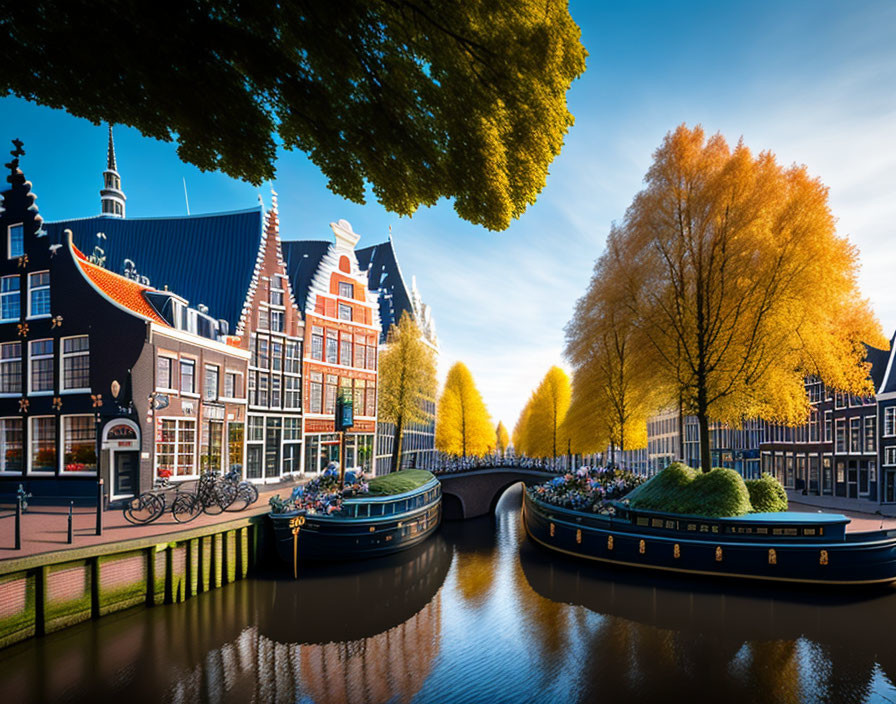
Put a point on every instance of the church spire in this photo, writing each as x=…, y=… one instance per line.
x=111, y=196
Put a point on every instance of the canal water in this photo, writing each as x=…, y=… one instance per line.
x=476, y=614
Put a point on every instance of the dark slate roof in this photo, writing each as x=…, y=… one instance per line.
x=878, y=359
x=302, y=259
x=384, y=278
x=891, y=380
x=206, y=259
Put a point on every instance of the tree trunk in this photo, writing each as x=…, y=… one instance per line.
x=396, y=446
x=705, y=454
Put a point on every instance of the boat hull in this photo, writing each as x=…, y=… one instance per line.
x=326, y=538
x=868, y=558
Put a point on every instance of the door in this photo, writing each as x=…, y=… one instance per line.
x=127, y=468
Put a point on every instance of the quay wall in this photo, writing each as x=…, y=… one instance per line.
x=43, y=593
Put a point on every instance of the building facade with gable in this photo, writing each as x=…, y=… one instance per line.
x=886, y=423
x=342, y=330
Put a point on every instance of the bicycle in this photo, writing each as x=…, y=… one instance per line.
x=149, y=505
x=246, y=492
x=213, y=495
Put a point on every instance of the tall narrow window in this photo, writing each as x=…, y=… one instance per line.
x=293, y=360
x=232, y=386
x=276, y=355
x=10, y=298
x=332, y=347
x=11, y=368
x=41, y=362
x=79, y=444
x=316, y=386
x=11, y=445
x=187, y=376
x=330, y=398
x=317, y=343
x=345, y=312
x=16, y=241
x=345, y=351
x=43, y=444
x=210, y=388
x=264, y=358
x=276, y=298
x=164, y=369
x=263, y=319
x=76, y=363
x=360, y=351
x=39, y=294
x=276, y=321
x=292, y=392
x=890, y=421
x=276, y=383
x=870, y=433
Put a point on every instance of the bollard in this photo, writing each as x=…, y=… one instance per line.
x=99, y=507
x=71, y=505
x=18, y=523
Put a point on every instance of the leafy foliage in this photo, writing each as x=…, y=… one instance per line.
x=587, y=489
x=323, y=494
x=407, y=376
x=502, y=439
x=680, y=489
x=463, y=426
x=422, y=101
x=766, y=494
x=541, y=433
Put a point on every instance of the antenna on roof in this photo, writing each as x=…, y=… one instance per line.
x=186, y=198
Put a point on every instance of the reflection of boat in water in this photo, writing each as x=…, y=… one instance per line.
x=367, y=526
x=788, y=547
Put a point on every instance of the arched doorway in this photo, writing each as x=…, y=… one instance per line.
x=121, y=443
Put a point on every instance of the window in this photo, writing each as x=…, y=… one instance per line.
x=293, y=361
x=277, y=320
x=187, y=376
x=827, y=426
x=840, y=433
x=890, y=455
x=41, y=362
x=317, y=343
x=76, y=363
x=292, y=392
x=276, y=383
x=11, y=368
x=256, y=429
x=855, y=435
x=330, y=398
x=870, y=433
x=890, y=421
x=263, y=319
x=39, y=294
x=345, y=311
x=346, y=290
x=233, y=387
x=263, y=384
x=264, y=359
x=176, y=447
x=276, y=297
x=43, y=444
x=276, y=355
x=16, y=241
x=11, y=445
x=332, y=344
x=358, y=397
x=10, y=298
x=210, y=389
x=371, y=357
x=345, y=351
x=360, y=352
x=316, y=388
x=164, y=366
x=79, y=444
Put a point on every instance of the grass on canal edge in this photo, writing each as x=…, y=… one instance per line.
x=398, y=482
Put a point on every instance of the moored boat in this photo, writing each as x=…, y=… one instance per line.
x=793, y=547
x=367, y=525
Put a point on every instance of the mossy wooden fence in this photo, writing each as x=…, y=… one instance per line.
x=47, y=592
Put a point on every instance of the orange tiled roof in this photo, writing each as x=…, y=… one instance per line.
x=120, y=289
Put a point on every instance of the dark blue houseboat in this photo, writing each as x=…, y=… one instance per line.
x=367, y=526
x=792, y=547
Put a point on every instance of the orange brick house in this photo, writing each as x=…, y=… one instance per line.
x=342, y=328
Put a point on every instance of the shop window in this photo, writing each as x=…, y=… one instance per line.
x=79, y=444
x=176, y=447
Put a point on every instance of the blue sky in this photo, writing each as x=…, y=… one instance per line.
x=815, y=82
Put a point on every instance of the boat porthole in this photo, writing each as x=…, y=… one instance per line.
x=372, y=528
x=642, y=547
x=772, y=557
x=676, y=551
x=609, y=542
x=823, y=558
x=552, y=530
x=388, y=538
x=718, y=553
x=579, y=535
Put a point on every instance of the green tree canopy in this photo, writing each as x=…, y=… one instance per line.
x=421, y=100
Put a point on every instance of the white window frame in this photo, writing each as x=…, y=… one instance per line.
x=9, y=228
x=13, y=394
x=889, y=455
x=63, y=356
x=30, y=465
x=172, y=360
x=31, y=359
x=238, y=381
x=180, y=381
x=61, y=446
x=351, y=286
x=14, y=292
x=196, y=430
x=205, y=370
x=345, y=307
x=32, y=289
x=22, y=420
x=889, y=422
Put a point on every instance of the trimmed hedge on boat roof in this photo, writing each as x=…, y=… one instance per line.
x=398, y=482
x=767, y=494
x=719, y=493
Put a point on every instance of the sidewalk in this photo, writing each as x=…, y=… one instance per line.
x=45, y=528
x=864, y=514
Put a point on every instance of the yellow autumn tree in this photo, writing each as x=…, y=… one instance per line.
x=502, y=438
x=407, y=377
x=463, y=426
x=519, y=430
x=542, y=432
x=736, y=277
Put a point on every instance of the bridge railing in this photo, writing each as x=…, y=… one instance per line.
x=451, y=464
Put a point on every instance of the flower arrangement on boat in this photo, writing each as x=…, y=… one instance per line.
x=322, y=495
x=587, y=489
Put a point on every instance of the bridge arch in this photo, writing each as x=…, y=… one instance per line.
x=474, y=493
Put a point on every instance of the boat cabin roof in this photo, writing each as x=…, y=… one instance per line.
x=791, y=517
x=384, y=498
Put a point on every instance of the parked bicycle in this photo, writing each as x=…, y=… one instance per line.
x=246, y=492
x=151, y=504
x=213, y=494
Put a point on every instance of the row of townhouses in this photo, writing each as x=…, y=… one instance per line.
x=137, y=348
x=847, y=447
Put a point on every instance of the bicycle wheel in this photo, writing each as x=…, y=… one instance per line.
x=252, y=491
x=242, y=500
x=185, y=507
x=143, y=509
x=220, y=496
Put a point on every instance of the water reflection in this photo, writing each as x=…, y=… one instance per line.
x=475, y=614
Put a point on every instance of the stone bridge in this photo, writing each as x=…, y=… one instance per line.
x=472, y=493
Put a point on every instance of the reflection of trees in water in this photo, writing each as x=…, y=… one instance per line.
x=389, y=667
x=475, y=575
